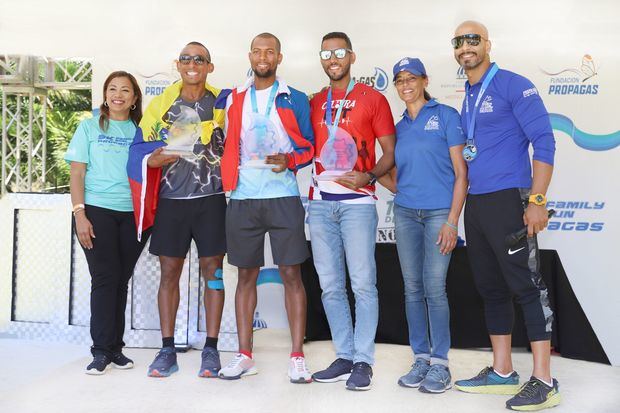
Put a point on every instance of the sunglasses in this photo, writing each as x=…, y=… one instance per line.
x=339, y=53
x=185, y=59
x=471, y=39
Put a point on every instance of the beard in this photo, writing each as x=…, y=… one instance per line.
x=264, y=74
x=336, y=77
x=471, y=63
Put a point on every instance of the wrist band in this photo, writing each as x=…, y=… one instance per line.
x=454, y=227
x=77, y=207
x=76, y=210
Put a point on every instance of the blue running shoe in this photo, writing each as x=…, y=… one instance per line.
x=535, y=395
x=437, y=380
x=417, y=373
x=489, y=382
x=339, y=370
x=165, y=363
x=361, y=377
x=210, y=366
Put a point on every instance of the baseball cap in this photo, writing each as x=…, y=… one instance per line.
x=412, y=65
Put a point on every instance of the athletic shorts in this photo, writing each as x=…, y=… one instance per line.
x=248, y=220
x=178, y=221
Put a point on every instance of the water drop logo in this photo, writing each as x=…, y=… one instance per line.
x=583, y=139
x=381, y=79
x=378, y=81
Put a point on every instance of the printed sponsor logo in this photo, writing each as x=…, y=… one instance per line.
x=574, y=80
x=379, y=80
x=456, y=87
x=569, y=216
x=155, y=83
x=487, y=105
x=432, y=123
x=386, y=235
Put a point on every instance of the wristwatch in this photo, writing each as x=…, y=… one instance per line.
x=373, y=178
x=538, y=199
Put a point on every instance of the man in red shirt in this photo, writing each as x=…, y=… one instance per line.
x=347, y=119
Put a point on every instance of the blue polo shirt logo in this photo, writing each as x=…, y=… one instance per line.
x=432, y=123
x=487, y=105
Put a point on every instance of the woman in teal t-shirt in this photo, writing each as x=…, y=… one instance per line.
x=103, y=213
x=430, y=187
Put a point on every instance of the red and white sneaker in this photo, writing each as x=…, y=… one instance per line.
x=298, y=372
x=241, y=365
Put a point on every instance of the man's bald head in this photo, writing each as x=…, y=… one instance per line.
x=472, y=46
x=472, y=27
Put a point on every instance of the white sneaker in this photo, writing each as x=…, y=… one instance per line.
x=298, y=372
x=241, y=365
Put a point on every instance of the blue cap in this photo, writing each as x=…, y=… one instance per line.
x=412, y=65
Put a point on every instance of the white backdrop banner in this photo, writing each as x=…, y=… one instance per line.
x=566, y=48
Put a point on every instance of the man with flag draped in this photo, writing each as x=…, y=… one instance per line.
x=180, y=194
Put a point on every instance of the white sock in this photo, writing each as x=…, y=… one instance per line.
x=503, y=375
x=548, y=384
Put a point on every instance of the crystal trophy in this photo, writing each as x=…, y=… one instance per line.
x=183, y=133
x=259, y=141
x=338, y=155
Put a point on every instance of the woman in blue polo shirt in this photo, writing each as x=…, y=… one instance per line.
x=430, y=182
x=103, y=213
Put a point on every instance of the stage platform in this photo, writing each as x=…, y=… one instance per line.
x=47, y=376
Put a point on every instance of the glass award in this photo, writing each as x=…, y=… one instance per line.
x=338, y=155
x=183, y=133
x=260, y=140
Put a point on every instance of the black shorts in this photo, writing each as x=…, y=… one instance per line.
x=248, y=220
x=178, y=221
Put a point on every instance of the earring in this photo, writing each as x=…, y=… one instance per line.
x=133, y=107
x=105, y=103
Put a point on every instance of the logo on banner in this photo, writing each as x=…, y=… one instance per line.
x=155, y=83
x=574, y=80
x=570, y=217
x=456, y=87
x=379, y=81
x=583, y=139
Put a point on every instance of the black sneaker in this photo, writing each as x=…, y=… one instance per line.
x=121, y=361
x=339, y=370
x=361, y=377
x=99, y=365
x=535, y=395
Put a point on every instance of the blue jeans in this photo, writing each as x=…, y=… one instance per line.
x=424, y=271
x=340, y=231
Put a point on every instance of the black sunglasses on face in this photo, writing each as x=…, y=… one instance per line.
x=185, y=59
x=471, y=39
